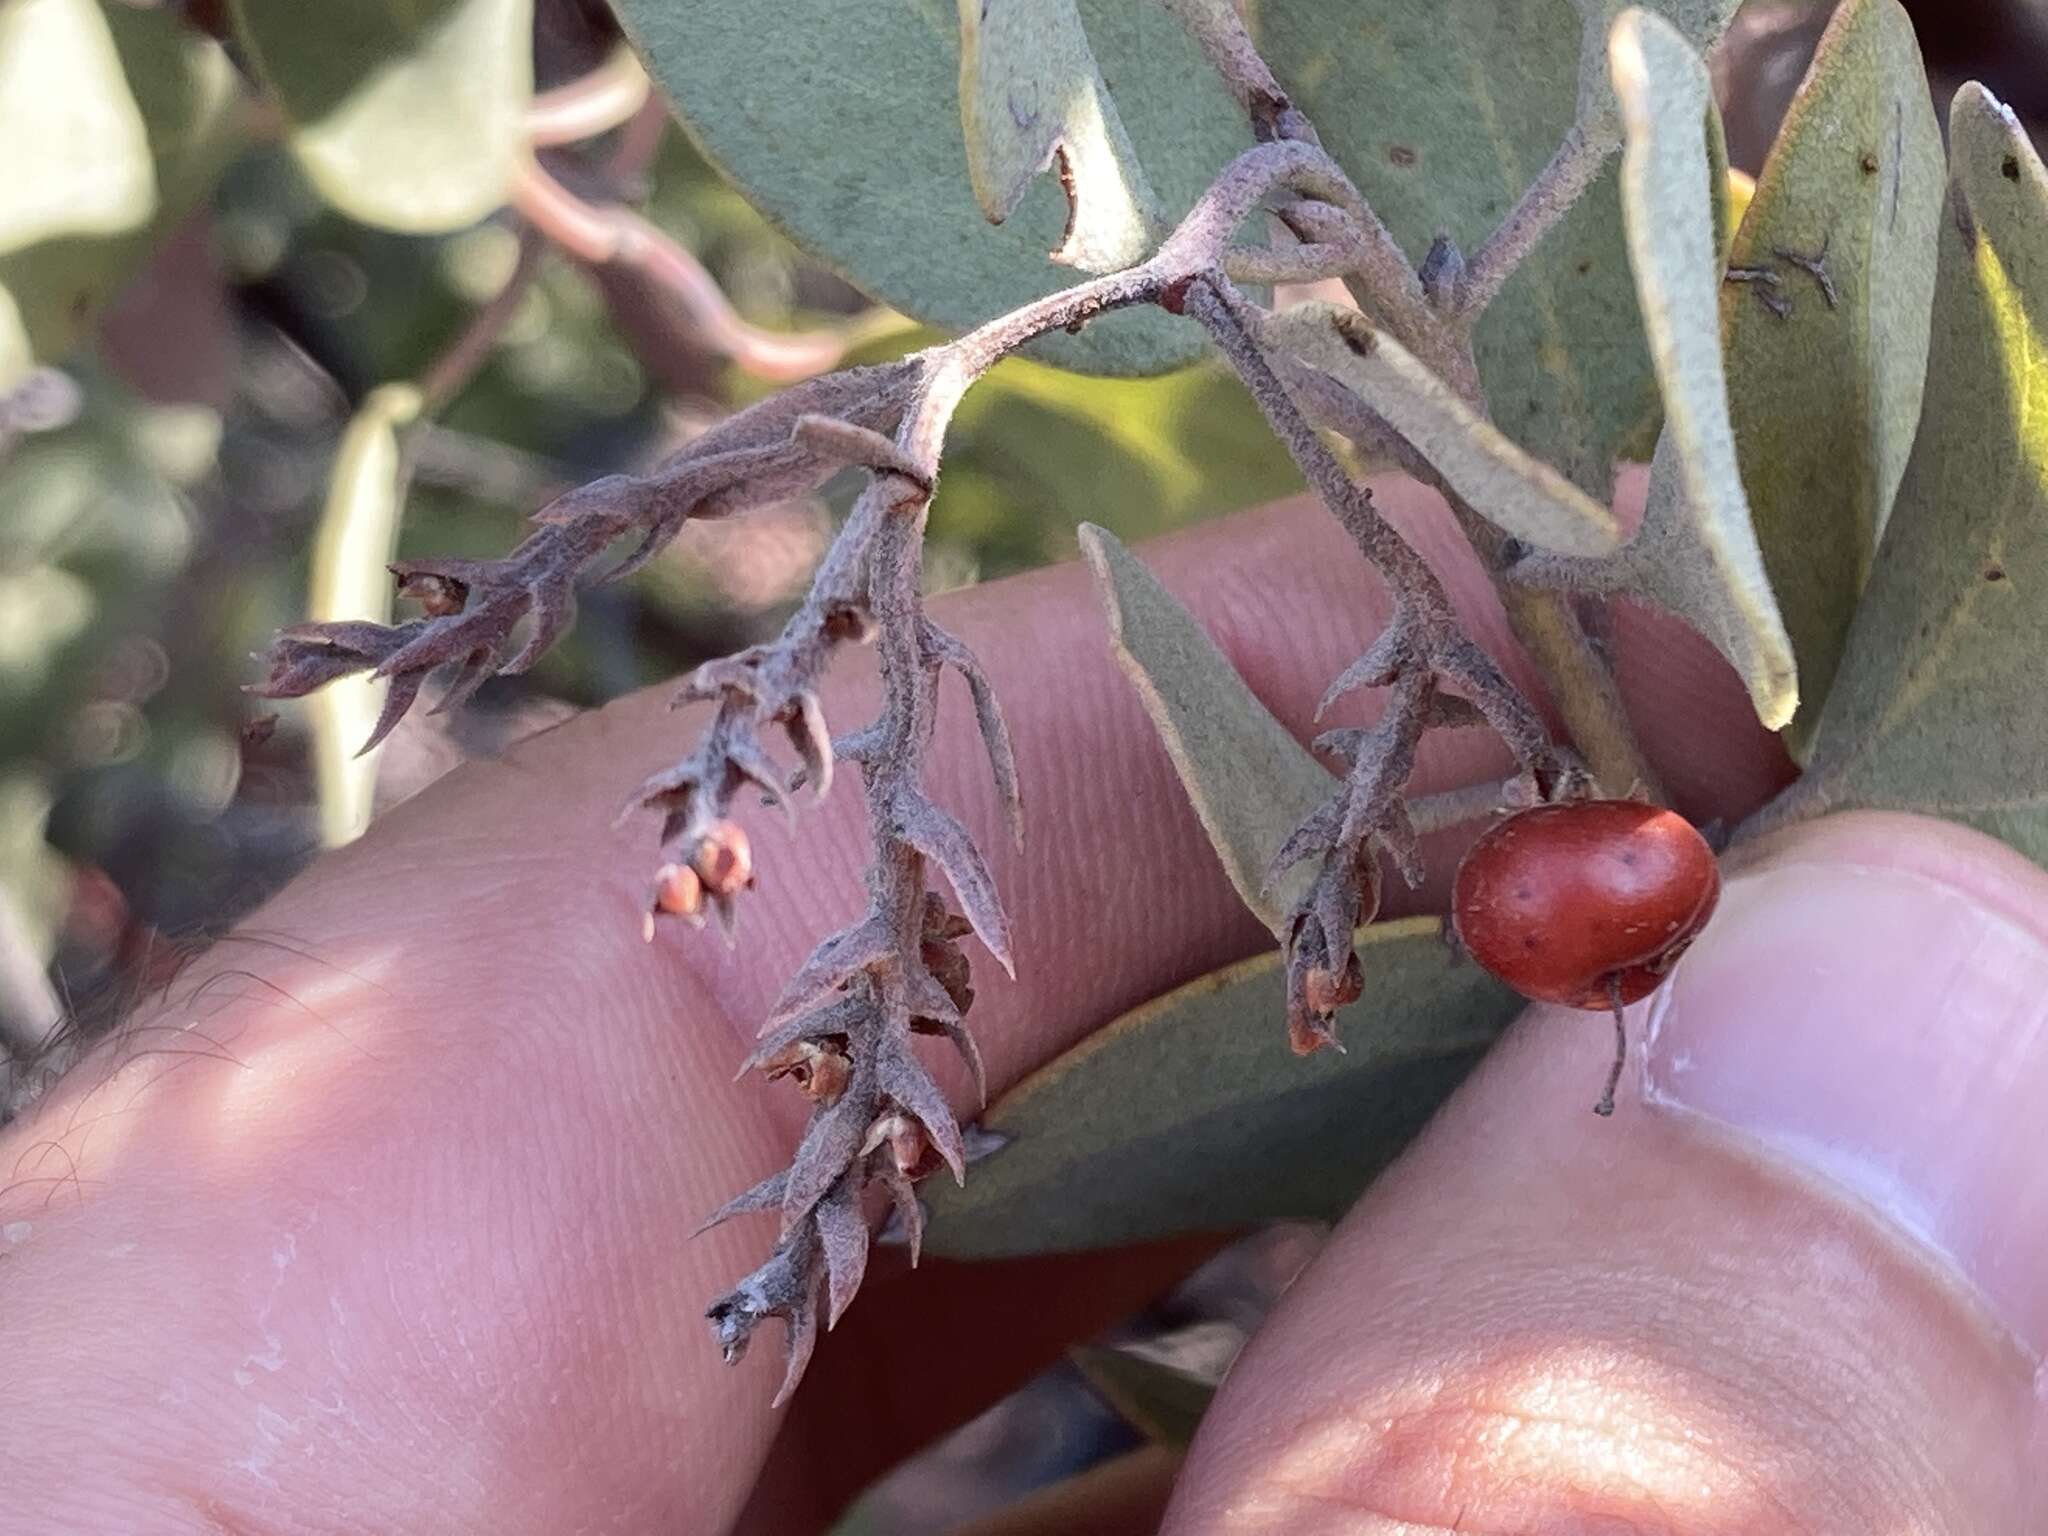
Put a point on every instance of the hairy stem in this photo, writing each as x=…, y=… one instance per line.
x=1546, y=200
x=1385, y=286
x=1455, y=807
x=1581, y=684
x=1374, y=268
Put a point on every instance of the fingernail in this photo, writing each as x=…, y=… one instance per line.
x=1887, y=1028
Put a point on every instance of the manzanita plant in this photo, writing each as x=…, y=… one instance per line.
x=1525, y=270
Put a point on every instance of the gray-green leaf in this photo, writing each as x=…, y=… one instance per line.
x=116, y=120
x=1030, y=93
x=1250, y=781
x=408, y=116
x=1443, y=112
x=1696, y=553
x=1516, y=493
x=1825, y=369
x=1699, y=22
x=1191, y=1115
x=1938, y=703
x=840, y=124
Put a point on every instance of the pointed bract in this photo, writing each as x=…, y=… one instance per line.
x=843, y=1240
x=904, y=1079
x=945, y=842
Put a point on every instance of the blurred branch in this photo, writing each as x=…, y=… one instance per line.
x=619, y=238
x=470, y=350
x=600, y=101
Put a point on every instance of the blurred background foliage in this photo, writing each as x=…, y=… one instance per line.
x=187, y=323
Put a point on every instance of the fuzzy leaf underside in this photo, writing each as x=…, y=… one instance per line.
x=1029, y=91
x=1190, y=1114
x=357, y=538
x=404, y=116
x=1251, y=782
x=842, y=125
x=1699, y=22
x=1696, y=553
x=1443, y=111
x=114, y=122
x=1825, y=396
x=1938, y=703
x=1518, y=494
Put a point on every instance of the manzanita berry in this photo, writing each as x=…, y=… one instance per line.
x=1586, y=903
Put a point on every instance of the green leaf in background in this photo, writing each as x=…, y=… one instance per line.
x=1163, y=1402
x=1696, y=552
x=1520, y=495
x=842, y=124
x=115, y=120
x=1029, y=93
x=1824, y=383
x=1443, y=111
x=93, y=530
x=357, y=538
x=91, y=523
x=1190, y=1114
x=79, y=150
x=1938, y=704
x=1251, y=783
x=408, y=116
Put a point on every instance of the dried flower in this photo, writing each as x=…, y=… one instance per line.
x=437, y=595
x=909, y=1149
x=1326, y=991
x=820, y=1068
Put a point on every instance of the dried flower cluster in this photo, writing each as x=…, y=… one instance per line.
x=843, y=1030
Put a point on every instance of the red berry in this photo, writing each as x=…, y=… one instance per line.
x=1565, y=902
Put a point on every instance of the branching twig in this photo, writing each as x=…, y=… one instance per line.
x=868, y=989
x=473, y=608
x=1432, y=315
x=1422, y=648
x=844, y=1024
x=1376, y=270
